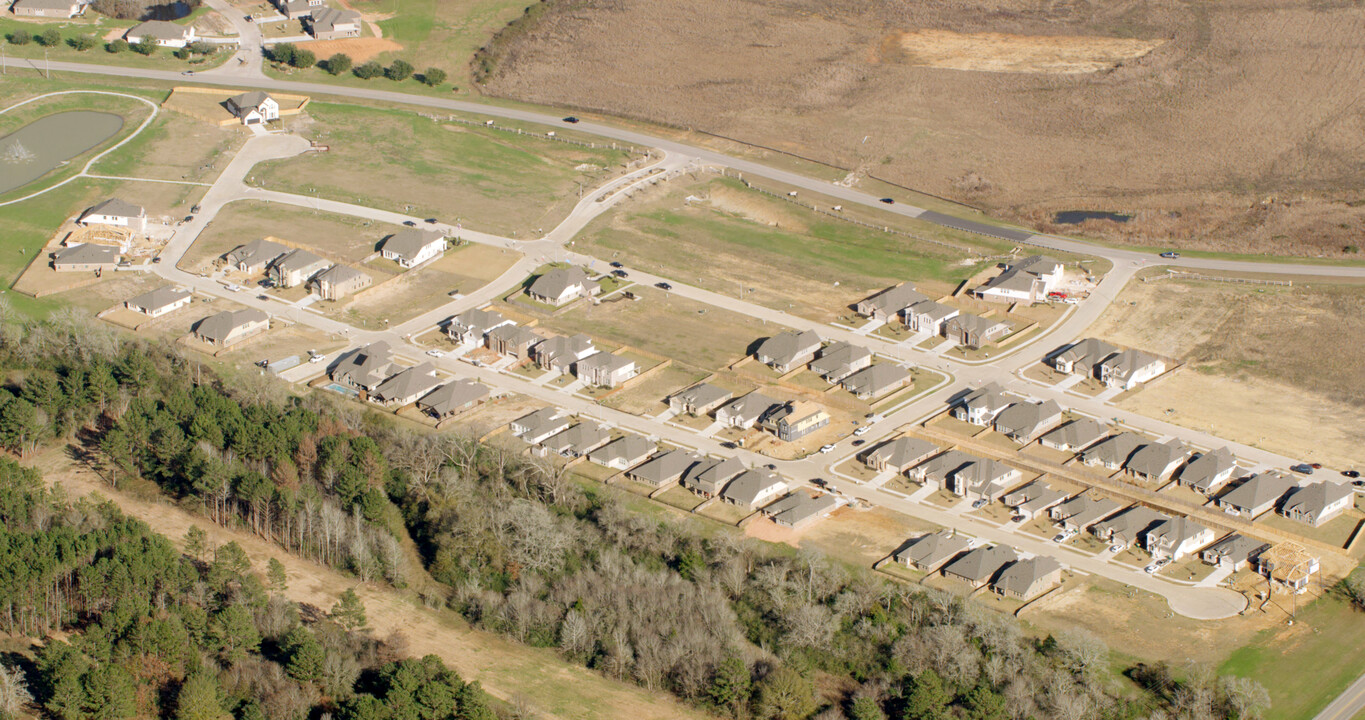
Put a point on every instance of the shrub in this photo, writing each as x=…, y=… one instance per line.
x=368, y=70
x=200, y=47
x=50, y=38
x=283, y=53
x=83, y=42
x=181, y=53
x=303, y=59
x=433, y=76
x=145, y=46
x=400, y=70
x=117, y=46
x=338, y=63
x=19, y=38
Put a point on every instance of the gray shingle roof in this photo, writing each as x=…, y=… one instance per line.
x=158, y=30
x=704, y=395
x=837, y=357
x=1153, y=459
x=406, y=243
x=1078, y=433
x=1258, y=490
x=454, y=395
x=1114, y=450
x=216, y=328
x=251, y=99
x=893, y=300
x=666, y=468
x=1310, y=500
x=553, y=283
x=112, y=207
x=338, y=274
x=256, y=252
x=1018, y=577
x=902, y=452
x=981, y=564
x=417, y=380
x=325, y=19
x=748, y=485
x=628, y=448
x=1088, y=352
x=875, y=379
x=930, y=550
x=1201, y=471
x=785, y=347
x=1026, y=419
x=85, y=254
x=298, y=259
x=711, y=477
x=159, y=298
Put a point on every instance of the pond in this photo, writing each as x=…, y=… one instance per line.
x=1076, y=217
x=45, y=144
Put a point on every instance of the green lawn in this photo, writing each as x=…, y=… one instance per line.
x=491, y=180
x=96, y=26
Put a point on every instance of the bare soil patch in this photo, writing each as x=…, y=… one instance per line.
x=360, y=49
x=1004, y=52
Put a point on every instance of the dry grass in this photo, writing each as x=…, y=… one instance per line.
x=1002, y=52
x=1241, y=101
x=362, y=49
x=335, y=237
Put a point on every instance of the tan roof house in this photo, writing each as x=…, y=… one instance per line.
x=339, y=281
x=560, y=285
x=160, y=301
x=411, y=247
x=116, y=213
x=230, y=327
x=786, y=351
x=296, y=267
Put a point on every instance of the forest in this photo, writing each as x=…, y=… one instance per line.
x=515, y=544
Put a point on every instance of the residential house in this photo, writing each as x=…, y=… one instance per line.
x=231, y=327
x=973, y=331
x=1234, y=552
x=577, y=441
x=160, y=301
x=365, y=367
x=326, y=23
x=470, y=326
x=1155, y=462
x=605, y=370
x=162, y=33
x=254, y=256
x=699, y=399
x=453, y=398
x=86, y=257
x=296, y=267
x=888, y=303
x=789, y=350
x=411, y=247
x=709, y=477
x=539, y=425
x=339, y=281
x=298, y=9
x=1288, y=565
x=927, y=552
x=753, y=488
x=254, y=107
x=65, y=9
x=1208, y=472
x=936, y=471
x=560, y=285
x=980, y=566
x=877, y=381
x=560, y=352
x=840, y=359
x=623, y=453
x=1176, y=537
x=512, y=340
x=406, y=386
x=1130, y=368
x=1113, y=452
x=928, y=316
x=1082, y=511
x=799, y=510
x=1084, y=357
x=1074, y=436
x=116, y=213
x=1129, y=527
x=1024, y=422
x=1025, y=580
x=981, y=479
x=795, y=420
x=980, y=406
x=1034, y=498
x=1029, y=281
x=746, y=411
x=1317, y=503
x=1257, y=495
x=664, y=469
x=899, y=455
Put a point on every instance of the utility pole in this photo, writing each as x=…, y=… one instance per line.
x=48, y=63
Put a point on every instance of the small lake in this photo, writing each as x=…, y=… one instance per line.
x=41, y=146
x=1076, y=217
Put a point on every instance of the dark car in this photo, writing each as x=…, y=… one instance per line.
x=1304, y=468
x=410, y=223
x=978, y=504
x=858, y=442
x=1170, y=255
x=571, y=119
x=617, y=265
x=431, y=220
x=888, y=201
x=663, y=286
x=1351, y=473
x=619, y=273
x=728, y=445
x=1316, y=466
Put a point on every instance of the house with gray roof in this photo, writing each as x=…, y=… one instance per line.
x=928, y=316
x=900, y=454
x=1024, y=422
x=576, y=441
x=840, y=359
x=1317, y=503
x=746, y=411
x=1028, y=280
x=623, y=453
x=927, y=552
x=709, y=477
x=1234, y=551
x=1155, y=462
x=365, y=367
x=166, y=299
x=560, y=352
x=794, y=420
x=1082, y=511
x=1074, y=436
x=470, y=326
x=1130, y=368
x=560, y=285
x=296, y=267
x=1208, y=472
x=980, y=406
x=406, y=386
x=539, y=425
x=1025, y=580
x=64, y=9
x=1257, y=495
x=973, y=331
x=799, y=510
x=453, y=398
x=253, y=107
x=254, y=256
x=980, y=566
x=936, y=470
x=700, y=399
x=327, y=23
x=338, y=281
x=786, y=351
x=604, y=370
x=1084, y=357
x=1176, y=537
x=981, y=479
x=411, y=247
x=1034, y=498
x=231, y=327
x=86, y=257
x=116, y=213
x=753, y=488
x=889, y=302
x=664, y=469
x=877, y=381
x=298, y=9
x=512, y=340
x=1129, y=527
x=162, y=33
x=1112, y=453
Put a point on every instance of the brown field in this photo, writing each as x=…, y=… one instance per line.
x=1236, y=131
x=362, y=49
x=335, y=237
x=396, y=299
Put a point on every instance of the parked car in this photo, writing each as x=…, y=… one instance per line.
x=1171, y=255
x=1150, y=569
x=431, y=221
x=1303, y=468
x=858, y=442
x=980, y=503
x=1316, y=466
x=156, y=260
x=1163, y=562
x=1017, y=518
x=435, y=353
x=728, y=445
x=862, y=430
x=826, y=448
x=1116, y=548
x=1063, y=536
x=571, y=120
x=663, y=286
x=317, y=359
x=617, y=265
x=888, y=201
x=620, y=273
x=1351, y=473
x=1358, y=486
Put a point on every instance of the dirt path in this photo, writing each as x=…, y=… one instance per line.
x=554, y=688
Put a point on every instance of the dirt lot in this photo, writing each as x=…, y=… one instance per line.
x=360, y=49
x=336, y=237
x=1240, y=102
x=465, y=268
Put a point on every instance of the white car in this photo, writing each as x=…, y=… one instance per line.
x=1115, y=548
x=436, y=353
x=862, y=431
x=1151, y=569
x=826, y=449
x=317, y=358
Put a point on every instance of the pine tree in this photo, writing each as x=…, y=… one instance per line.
x=279, y=580
x=349, y=612
x=200, y=699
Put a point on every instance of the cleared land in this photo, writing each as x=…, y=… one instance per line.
x=395, y=299
x=488, y=179
x=1002, y=52
x=336, y=237
x=1230, y=135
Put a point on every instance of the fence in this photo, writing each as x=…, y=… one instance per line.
x=1175, y=275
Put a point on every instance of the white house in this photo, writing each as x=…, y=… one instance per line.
x=561, y=285
x=116, y=213
x=48, y=8
x=163, y=33
x=1028, y=280
x=254, y=107
x=1130, y=368
x=412, y=247
x=160, y=301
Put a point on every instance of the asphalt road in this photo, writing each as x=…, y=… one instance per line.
x=1348, y=704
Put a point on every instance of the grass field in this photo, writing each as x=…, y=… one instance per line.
x=336, y=237
x=487, y=179
x=94, y=25
x=778, y=254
